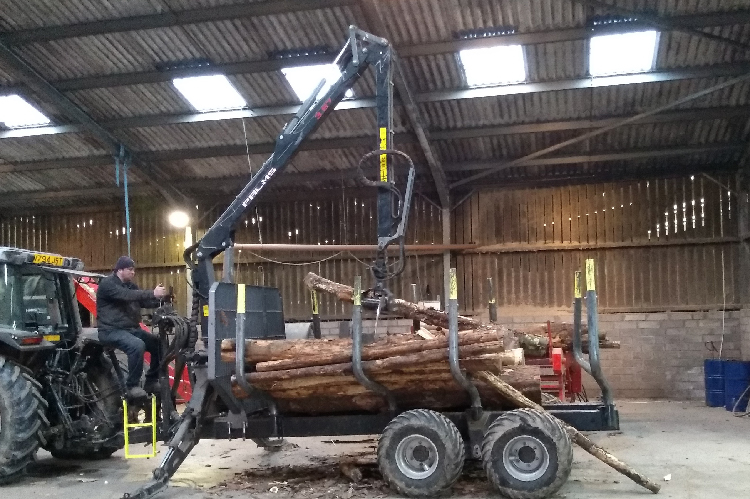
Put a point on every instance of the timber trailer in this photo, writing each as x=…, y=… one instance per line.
x=421, y=452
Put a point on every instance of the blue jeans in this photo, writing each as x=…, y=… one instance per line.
x=134, y=342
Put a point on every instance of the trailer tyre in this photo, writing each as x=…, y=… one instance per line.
x=421, y=453
x=22, y=420
x=526, y=454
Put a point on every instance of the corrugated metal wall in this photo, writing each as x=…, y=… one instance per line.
x=659, y=244
x=99, y=239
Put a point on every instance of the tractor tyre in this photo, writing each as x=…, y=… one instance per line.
x=22, y=420
x=527, y=454
x=421, y=453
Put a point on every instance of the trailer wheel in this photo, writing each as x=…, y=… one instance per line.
x=527, y=454
x=421, y=453
x=22, y=420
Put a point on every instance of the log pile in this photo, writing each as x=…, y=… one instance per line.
x=316, y=377
x=532, y=338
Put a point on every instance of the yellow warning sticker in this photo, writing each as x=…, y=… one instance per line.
x=205, y=310
x=383, y=157
x=590, y=282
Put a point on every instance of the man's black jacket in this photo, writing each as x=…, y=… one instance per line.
x=118, y=304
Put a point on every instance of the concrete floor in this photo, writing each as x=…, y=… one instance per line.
x=706, y=451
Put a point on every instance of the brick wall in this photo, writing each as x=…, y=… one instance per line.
x=661, y=354
x=745, y=333
x=330, y=329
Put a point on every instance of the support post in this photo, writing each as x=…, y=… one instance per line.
x=491, y=299
x=188, y=275
x=458, y=375
x=743, y=229
x=315, y=314
x=227, y=274
x=415, y=323
x=446, y=219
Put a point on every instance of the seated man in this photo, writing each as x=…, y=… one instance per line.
x=118, y=310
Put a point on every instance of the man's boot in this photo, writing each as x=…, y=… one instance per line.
x=136, y=393
x=152, y=386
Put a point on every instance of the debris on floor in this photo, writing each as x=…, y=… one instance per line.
x=346, y=477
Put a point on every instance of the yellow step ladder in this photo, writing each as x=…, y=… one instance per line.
x=127, y=426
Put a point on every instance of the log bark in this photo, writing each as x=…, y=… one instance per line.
x=396, y=305
x=439, y=391
x=578, y=437
x=295, y=354
x=488, y=362
x=374, y=365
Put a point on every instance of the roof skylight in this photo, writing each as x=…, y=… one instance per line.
x=15, y=112
x=498, y=65
x=209, y=93
x=304, y=79
x=622, y=53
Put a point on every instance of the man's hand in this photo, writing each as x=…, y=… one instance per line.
x=160, y=291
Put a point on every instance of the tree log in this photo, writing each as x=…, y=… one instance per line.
x=438, y=391
x=487, y=362
x=295, y=354
x=379, y=364
x=533, y=338
x=578, y=437
x=396, y=305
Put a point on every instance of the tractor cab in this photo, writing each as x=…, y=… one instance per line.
x=37, y=300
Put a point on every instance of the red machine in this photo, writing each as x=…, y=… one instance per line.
x=86, y=295
x=561, y=374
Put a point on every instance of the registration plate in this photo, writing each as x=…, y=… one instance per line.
x=52, y=337
x=57, y=261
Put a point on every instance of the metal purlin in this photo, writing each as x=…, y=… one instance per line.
x=124, y=158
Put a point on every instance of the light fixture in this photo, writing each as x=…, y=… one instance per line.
x=179, y=219
x=498, y=65
x=209, y=93
x=304, y=79
x=15, y=112
x=622, y=53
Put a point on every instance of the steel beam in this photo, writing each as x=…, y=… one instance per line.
x=741, y=112
x=697, y=21
x=605, y=129
x=630, y=155
x=400, y=139
x=167, y=19
x=723, y=70
x=213, y=185
x=43, y=88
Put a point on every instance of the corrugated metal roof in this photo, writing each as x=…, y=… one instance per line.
x=409, y=22
x=49, y=147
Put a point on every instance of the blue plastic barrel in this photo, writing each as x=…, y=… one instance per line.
x=736, y=380
x=714, y=373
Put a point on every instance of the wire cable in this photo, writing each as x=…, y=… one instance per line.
x=296, y=264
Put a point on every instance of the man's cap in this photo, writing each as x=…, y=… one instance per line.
x=124, y=262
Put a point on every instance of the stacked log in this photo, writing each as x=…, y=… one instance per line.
x=316, y=376
x=534, y=338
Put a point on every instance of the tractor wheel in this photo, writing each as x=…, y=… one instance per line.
x=527, y=454
x=105, y=416
x=22, y=420
x=421, y=453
